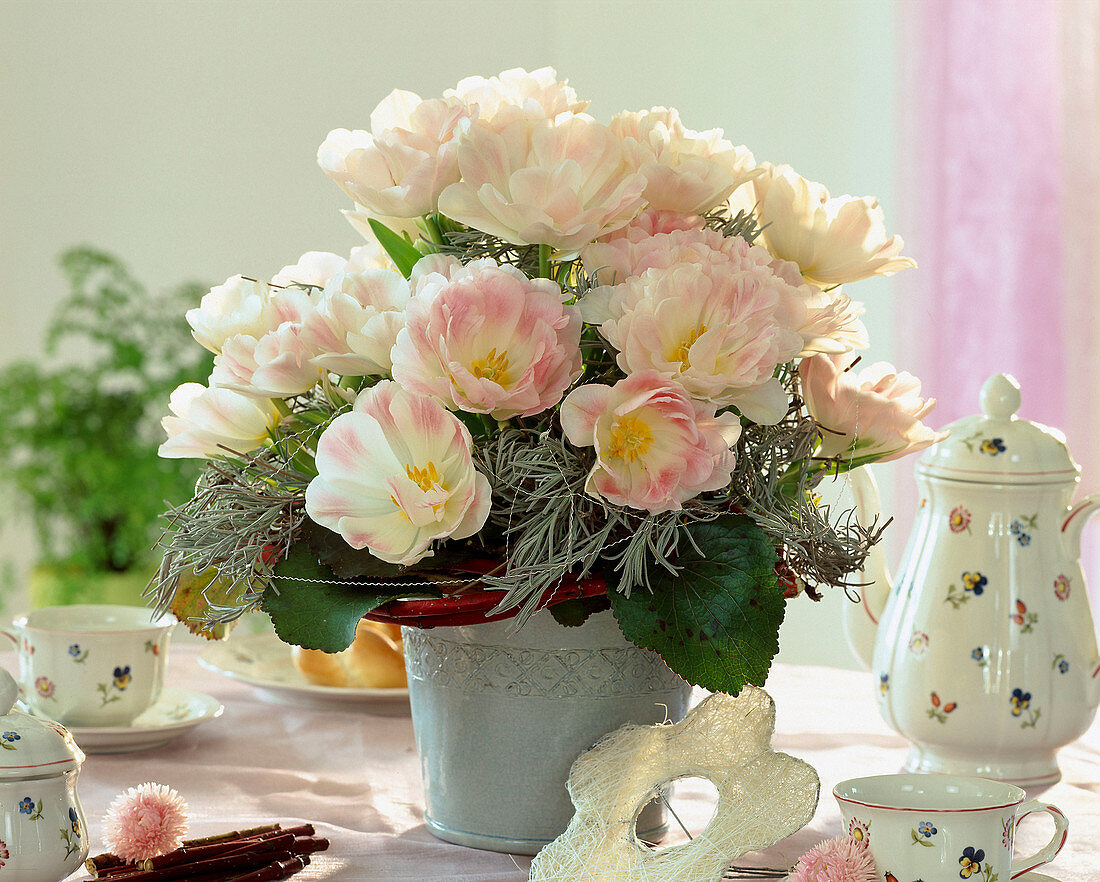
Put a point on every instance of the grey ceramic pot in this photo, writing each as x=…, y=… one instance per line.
x=500, y=714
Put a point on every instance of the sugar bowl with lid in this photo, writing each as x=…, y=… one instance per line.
x=43, y=834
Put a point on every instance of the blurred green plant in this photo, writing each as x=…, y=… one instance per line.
x=79, y=434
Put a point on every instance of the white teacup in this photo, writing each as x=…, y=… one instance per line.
x=943, y=827
x=89, y=665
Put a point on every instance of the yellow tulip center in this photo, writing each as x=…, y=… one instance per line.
x=424, y=478
x=630, y=438
x=682, y=352
x=493, y=367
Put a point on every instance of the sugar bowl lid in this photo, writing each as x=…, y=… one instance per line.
x=31, y=747
x=998, y=447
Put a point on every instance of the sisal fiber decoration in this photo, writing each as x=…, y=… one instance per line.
x=763, y=796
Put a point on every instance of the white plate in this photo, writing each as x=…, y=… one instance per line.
x=176, y=711
x=264, y=661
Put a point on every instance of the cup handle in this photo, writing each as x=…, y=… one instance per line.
x=1046, y=854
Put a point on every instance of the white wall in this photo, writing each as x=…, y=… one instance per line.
x=183, y=135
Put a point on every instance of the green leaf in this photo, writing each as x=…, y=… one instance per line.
x=402, y=252
x=574, y=613
x=716, y=622
x=333, y=552
x=193, y=597
x=319, y=614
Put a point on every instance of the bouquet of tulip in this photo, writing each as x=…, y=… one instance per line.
x=616, y=353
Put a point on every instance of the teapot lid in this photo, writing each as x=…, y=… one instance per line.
x=998, y=447
x=31, y=747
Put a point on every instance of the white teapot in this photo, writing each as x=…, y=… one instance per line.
x=984, y=649
x=43, y=833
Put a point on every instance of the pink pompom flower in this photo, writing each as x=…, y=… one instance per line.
x=835, y=860
x=145, y=821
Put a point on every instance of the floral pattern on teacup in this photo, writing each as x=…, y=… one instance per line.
x=1061, y=587
x=918, y=643
x=8, y=739
x=959, y=520
x=44, y=687
x=1026, y=620
x=980, y=654
x=152, y=647
x=971, y=861
x=1008, y=827
x=121, y=679
x=3, y=853
x=859, y=830
x=1021, y=703
x=33, y=810
x=883, y=684
x=77, y=654
x=924, y=832
x=1060, y=663
x=939, y=711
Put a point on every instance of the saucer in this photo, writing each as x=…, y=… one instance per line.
x=176, y=711
x=264, y=662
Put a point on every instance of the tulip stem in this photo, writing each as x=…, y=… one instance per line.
x=544, y=261
x=434, y=232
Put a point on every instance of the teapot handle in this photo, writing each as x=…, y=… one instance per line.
x=1074, y=523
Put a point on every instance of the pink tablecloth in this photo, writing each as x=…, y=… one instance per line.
x=356, y=776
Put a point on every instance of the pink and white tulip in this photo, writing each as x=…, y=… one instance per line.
x=400, y=167
x=314, y=268
x=396, y=474
x=650, y=222
x=356, y=322
x=277, y=365
x=686, y=171
x=830, y=321
x=517, y=94
x=870, y=416
x=563, y=182
x=243, y=306
x=833, y=240
x=656, y=446
x=484, y=338
x=208, y=421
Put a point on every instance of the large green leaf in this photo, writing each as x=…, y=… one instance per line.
x=716, y=623
x=320, y=613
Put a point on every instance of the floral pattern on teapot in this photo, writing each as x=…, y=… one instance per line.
x=1024, y=619
x=959, y=520
x=939, y=711
x=973, y=585
x=1061, y=587
x=1019, y=528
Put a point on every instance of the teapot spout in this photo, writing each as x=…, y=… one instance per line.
x=861, y=619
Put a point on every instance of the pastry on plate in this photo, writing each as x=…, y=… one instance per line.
x=375, y=660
